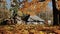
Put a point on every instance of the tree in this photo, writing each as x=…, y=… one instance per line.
x=15, y=6
x=4, y=13
x=55, y=13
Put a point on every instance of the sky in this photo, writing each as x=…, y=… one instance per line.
x=8, y=2
x=50, y=4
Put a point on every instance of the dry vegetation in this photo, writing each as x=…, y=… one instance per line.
x=29, y=29
x=4, y=14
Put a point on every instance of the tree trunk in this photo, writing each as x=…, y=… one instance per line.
x=55, y=13
x=59, y=16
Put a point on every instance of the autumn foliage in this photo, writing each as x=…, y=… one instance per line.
x=34, y=7
x=29, y=29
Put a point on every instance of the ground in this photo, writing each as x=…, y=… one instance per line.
x=29, y=29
